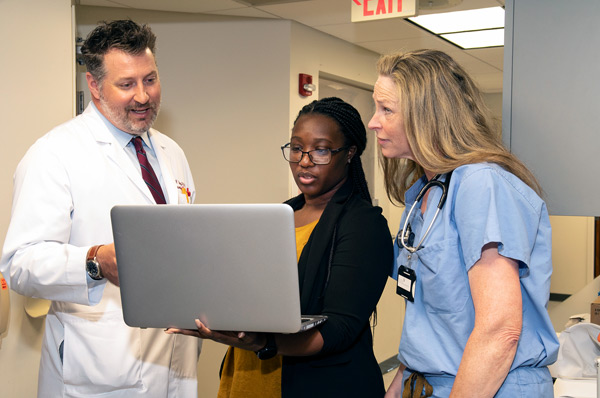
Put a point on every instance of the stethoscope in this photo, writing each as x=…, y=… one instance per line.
x=405, y=237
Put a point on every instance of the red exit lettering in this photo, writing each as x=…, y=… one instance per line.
x=381, y=7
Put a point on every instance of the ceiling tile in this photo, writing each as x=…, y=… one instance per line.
x=313, y=12
x=489, y=83
x=385, y=29
x=492, y=56
x=463, y=5
x=194, y=6
x=249, y=12
x=101, y=3
x=416, y=43
x=474, y=65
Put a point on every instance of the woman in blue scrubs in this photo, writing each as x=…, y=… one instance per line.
x=473, y=255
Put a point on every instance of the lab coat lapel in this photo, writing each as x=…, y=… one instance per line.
x=113, y=151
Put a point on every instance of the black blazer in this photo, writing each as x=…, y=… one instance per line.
x=345, y=284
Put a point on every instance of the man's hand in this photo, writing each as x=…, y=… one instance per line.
x=108, y=263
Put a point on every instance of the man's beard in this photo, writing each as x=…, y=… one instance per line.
x=120, y=116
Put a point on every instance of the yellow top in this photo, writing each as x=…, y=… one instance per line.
x=246, y=376
x=302, y=235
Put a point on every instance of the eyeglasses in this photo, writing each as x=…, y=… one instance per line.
x=317, y=156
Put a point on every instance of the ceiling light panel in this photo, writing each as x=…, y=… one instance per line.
x=461, y=21
x=477, y=39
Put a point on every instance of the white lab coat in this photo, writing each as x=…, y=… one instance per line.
x=64, y=189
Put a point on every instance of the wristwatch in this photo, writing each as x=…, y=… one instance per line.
x=91, y=263
x=269, y=350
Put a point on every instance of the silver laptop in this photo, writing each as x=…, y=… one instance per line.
x=233, y=266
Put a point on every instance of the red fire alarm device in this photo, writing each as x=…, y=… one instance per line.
x=305, y=86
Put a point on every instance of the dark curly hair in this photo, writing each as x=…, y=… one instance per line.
x=124, y=35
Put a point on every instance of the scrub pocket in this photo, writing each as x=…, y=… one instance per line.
x=444, y=280
x=100, y=356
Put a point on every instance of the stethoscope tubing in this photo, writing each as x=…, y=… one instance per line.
x=435, y=181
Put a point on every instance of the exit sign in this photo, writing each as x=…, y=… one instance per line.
x=369, y=10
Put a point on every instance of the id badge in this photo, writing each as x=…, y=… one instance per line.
x=406, y=283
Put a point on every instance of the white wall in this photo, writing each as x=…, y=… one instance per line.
x=572, y=254
x=225, y=98
x=229, y=98
x=37, y=89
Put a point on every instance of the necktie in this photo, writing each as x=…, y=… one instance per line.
x=148, y=173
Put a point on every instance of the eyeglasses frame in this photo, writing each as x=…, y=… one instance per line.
x=332, y=151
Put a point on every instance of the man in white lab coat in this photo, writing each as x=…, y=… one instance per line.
x=59, y=242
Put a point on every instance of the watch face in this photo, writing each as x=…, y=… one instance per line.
x=92, y=269
x=267, y=353
x=269, y=350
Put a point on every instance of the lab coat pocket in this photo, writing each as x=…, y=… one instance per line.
x=100, y=356
x=445, y=282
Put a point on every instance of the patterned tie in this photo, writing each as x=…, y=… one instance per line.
x=148, y=173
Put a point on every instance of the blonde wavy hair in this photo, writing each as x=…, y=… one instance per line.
x=446, y=121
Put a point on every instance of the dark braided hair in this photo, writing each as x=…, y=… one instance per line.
x=353, y=129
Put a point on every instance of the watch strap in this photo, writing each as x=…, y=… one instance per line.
x=270, y=348
x=91, y=254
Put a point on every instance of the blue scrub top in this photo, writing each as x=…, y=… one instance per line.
x=485, y=204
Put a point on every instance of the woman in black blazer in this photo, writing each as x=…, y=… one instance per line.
x=346, y=256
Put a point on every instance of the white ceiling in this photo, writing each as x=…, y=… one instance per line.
x=333, y=17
